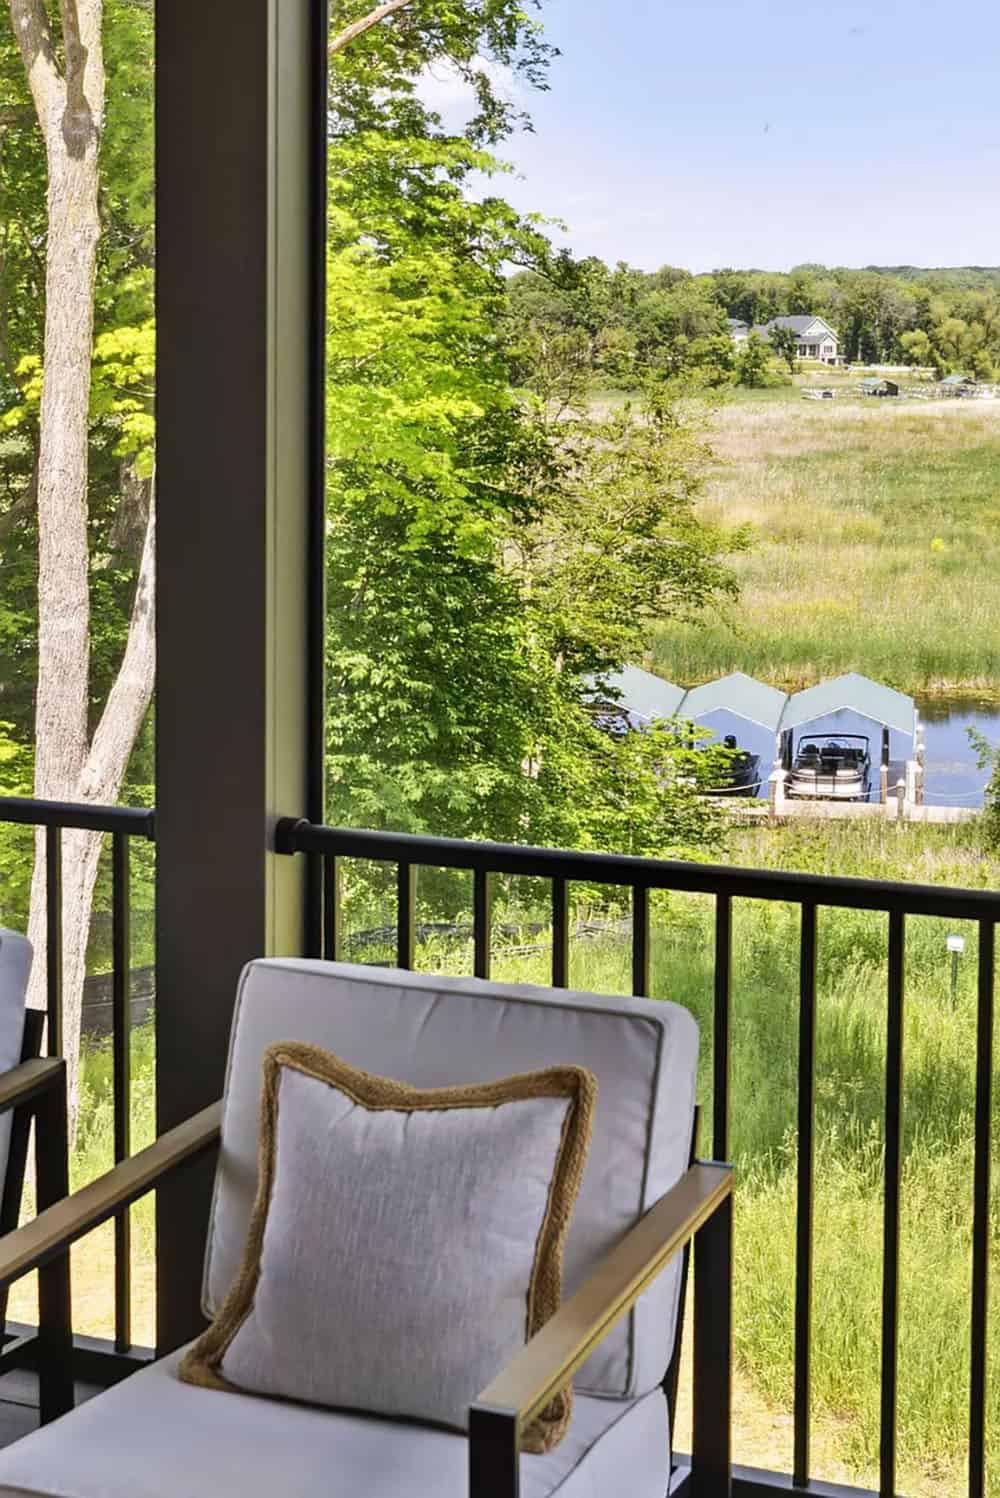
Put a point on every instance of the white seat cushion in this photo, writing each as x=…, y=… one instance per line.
x=155, y=1437
x=432, y=1031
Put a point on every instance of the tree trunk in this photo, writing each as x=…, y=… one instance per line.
x=69, y=104
x=100, y=780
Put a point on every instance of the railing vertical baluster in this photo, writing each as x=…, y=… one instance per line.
x=121, y=996
x=640, y=940
x=55, y=1301
x=893, y=1167
x=981, y=1212
x=720, y=1031
x=560, y=933
x=333, y=936
x=804, y=1206
x=482, y=921
x=315, y=913
x=313, y=923
x=54, y=938
x=406, y=914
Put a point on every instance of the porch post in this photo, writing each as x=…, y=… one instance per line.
x=239, y=496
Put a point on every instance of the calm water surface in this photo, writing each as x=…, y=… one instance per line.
x=952, y=776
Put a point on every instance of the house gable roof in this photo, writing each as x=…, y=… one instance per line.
x=800, y=325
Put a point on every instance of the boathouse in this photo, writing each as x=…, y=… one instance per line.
x=639, y=695
x=854, y=704
x=739, y=705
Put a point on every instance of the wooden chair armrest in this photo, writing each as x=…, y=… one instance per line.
x=36, y=1243
x=699, y=1206
x=28, y=1080
x=547, y=1363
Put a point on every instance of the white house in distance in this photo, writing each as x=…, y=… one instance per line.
x=815, y=338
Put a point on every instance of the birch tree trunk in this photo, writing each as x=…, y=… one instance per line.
x=68, y=94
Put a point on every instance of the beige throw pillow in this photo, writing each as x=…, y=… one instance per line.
x=404, y=1243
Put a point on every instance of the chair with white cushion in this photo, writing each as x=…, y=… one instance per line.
x=15, y=969
x=640, y=1202
x=31, y=1088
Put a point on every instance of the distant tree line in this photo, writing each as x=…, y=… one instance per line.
x=628, y=325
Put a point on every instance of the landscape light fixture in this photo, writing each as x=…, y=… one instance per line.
x=956, y=946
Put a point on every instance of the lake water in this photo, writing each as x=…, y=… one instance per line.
x=952, y=777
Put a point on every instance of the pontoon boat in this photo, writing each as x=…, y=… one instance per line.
x=831, y=767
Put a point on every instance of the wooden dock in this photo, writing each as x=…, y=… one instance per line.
x=833, y=811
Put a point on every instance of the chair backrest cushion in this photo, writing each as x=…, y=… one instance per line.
x=15, y=966
x=431, y=1031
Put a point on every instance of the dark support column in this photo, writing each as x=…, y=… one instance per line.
x=239, y=475
x=884, y=772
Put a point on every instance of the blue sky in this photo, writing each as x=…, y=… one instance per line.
x=733, y=133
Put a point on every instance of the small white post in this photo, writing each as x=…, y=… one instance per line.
x=900, y=800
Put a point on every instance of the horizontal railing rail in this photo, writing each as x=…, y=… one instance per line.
x=329, y=847
x=299, y=836
x=123, y=824
x=135, y=821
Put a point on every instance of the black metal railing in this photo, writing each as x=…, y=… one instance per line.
x=329, y=847
x=122, y=824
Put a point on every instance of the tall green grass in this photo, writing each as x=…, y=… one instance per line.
x=877, y=546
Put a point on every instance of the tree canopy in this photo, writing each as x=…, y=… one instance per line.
x=629, y=322
x=490, y=547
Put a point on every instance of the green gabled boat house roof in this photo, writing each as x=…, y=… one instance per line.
x=640, y=692
x=738, y=693
x=852, y=693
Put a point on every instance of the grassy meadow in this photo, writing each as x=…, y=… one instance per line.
x=877, y=544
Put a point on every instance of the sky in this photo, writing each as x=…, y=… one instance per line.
x=732, y=133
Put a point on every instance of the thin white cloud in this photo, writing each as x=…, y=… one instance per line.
x=442, y=88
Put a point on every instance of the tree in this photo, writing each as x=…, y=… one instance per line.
x=487, y=549
x=785, y=345
x=916, y=348
x=753, y=363
x=952, y=340
x=988, y=758
x=77, y=757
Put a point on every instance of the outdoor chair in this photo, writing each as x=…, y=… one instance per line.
x=32, y=1089
x=616, y=1333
